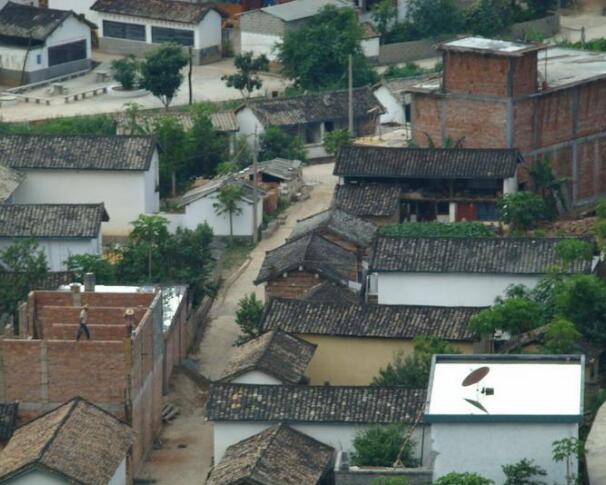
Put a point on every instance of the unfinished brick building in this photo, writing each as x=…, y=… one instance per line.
x=545, y=102
x=44, y=365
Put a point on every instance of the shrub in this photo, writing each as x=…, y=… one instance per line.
x=523, y=473
x=410, y=69
x=571, y=250
x=522, y=210
x=335, y=140
x=380, y=446
x=249, y=318
x=561, y=337
x=463, y=479
x=126, y=71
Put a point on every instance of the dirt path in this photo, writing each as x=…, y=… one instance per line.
x=185, y=456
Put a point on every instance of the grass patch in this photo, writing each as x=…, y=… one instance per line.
x=235, y=254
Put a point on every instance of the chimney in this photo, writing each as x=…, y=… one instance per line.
x=89, y=282
x=76, y=295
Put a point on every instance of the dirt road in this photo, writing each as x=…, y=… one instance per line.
x=185, y=456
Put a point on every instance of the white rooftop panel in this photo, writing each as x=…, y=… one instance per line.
x=540, y=388
x=300, y=9
x=487, y=44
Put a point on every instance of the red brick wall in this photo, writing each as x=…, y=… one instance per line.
x=475, y=73
x=524, y=74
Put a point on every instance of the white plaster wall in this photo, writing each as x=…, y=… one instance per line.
x=510, y=185
x=119, y=477
x=256, y=377
x=249, y=125
x=202, y=210
x=122, y=192
x=78, y=6
x=151, y=183
x=208, y=32
x=484, y=447
x=37, y=477
x=72, y=30
x=339, y=436
x=394, y=110
x=446, y=289
x=14, y=58
x=58, y=250
x=370, y=47
x=259, y=44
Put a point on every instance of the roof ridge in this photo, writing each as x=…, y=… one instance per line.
x=262, y=99
x=72, y=406
x=330, y=388
x=263, y=450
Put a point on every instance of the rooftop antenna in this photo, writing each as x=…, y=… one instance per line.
x=474, y=377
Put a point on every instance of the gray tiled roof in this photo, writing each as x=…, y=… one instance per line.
x=338, y=223
x=314, y=404
x=20, y=24
x=8, y=419
x=329, y=292
x=278, y=455
x=315, y=254
x=78, y=441
x=361, y=320
x=309, y=108
x=51, y=220
x=77, y=152
x=216, y=184
x=223, y=121
x=368, y=200
x=168, y=10
x=276, y=353
x=9, y=181
x=281, y=168
x=394, y=162
x=468, y=255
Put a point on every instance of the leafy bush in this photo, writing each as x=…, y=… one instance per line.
x=390, y=481
x=100, y=125
x=336, y=139
x=436, y=17
x=428, y=229
x=571, y=250
x=598, y=44
x=514, y=315
x=410, y=69
x=80, y=264
x=277, y=143
x=522, y=210
x=463, y=479
x=489, y=17
x=561, y=337
x=249, y=318
x=380, y=446
x=126, y=71
x=523, y=472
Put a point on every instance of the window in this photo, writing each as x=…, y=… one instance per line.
x=329, y=126
x=38, y=58
x=120, y=30
x=443, y=208
x=179, y=36
x=74, y=51
x=487, y=211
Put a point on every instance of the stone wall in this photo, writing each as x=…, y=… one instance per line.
x=344, y=474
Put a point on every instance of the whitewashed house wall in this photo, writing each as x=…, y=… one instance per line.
x=394, y=111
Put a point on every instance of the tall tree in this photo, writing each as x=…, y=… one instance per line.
x=151, y=233
x=228, y=202
x=208, y=147
x=384, y=14
x=247, y=79
x=277, y=143
x=316, y=55
x=161, y=72
x=174, y=151
x=249, y=318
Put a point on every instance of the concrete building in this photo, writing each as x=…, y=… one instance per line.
x=329, y=414
x=545, y=102
x=119, y=369
x=311, y=116
x=138, y=26
x=38, y=44
x=120, y=171
x=76, y=442
x=443, y=185
x=487, y=411
x=60, y=230
x=343, y=332
x=456, y=271
x=262, y=29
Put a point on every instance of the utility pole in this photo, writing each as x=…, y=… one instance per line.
x=191, y=97
x=350, y=93
x=255, y=190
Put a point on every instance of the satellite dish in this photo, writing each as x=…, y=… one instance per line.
x=477, y=404
x=475, y=376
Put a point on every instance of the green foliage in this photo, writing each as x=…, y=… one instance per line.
x=410, y=69
x=384, y=14
x=568, y=450
x=597, y=44
x=429, y=229
x=277, y=143
x=600, y=209
x=208, y=147
x=150, y=234
x=522, y=210
x=561, y=337
x=100, y=125
x=314, y=63
x=412, y=371
x=247, y=78
x=435, y=17
x=548, y=186
x=27, y=264
x=390, y=481
x=228, y=202
x=126, y=71
x=523, y=472
x=174, y=152
x=514, y=315
x=463, y=479
x=489, y=17
x=249, y=318
x=80, y=264
x=161, y=71
x=571, y=250
x=380, y=446
x=334, y=140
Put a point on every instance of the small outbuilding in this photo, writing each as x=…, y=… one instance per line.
x=376, y=203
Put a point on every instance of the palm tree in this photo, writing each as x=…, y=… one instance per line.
x=228, y=203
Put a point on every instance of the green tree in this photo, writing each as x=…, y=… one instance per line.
x=175, y=151
x=80, y=264
x=27, y=267
x=151, y=234
x=249, y=316
x=568, y=450
x=522, y=210
x=126, y=71
x=523, y=472
x=161, y=72
x=380, y=446
x=277, y=143
x=247, y=79
x=489, y=17
x=208, y=147
x=333, y=140
x=384, y=14
x=571, y=250
x=561, y=337
x=435, y=17
x=548, y=186
x=390, y=481
x=314, y=63
x=514, y=315
x=463, y=479
x=228, y=202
